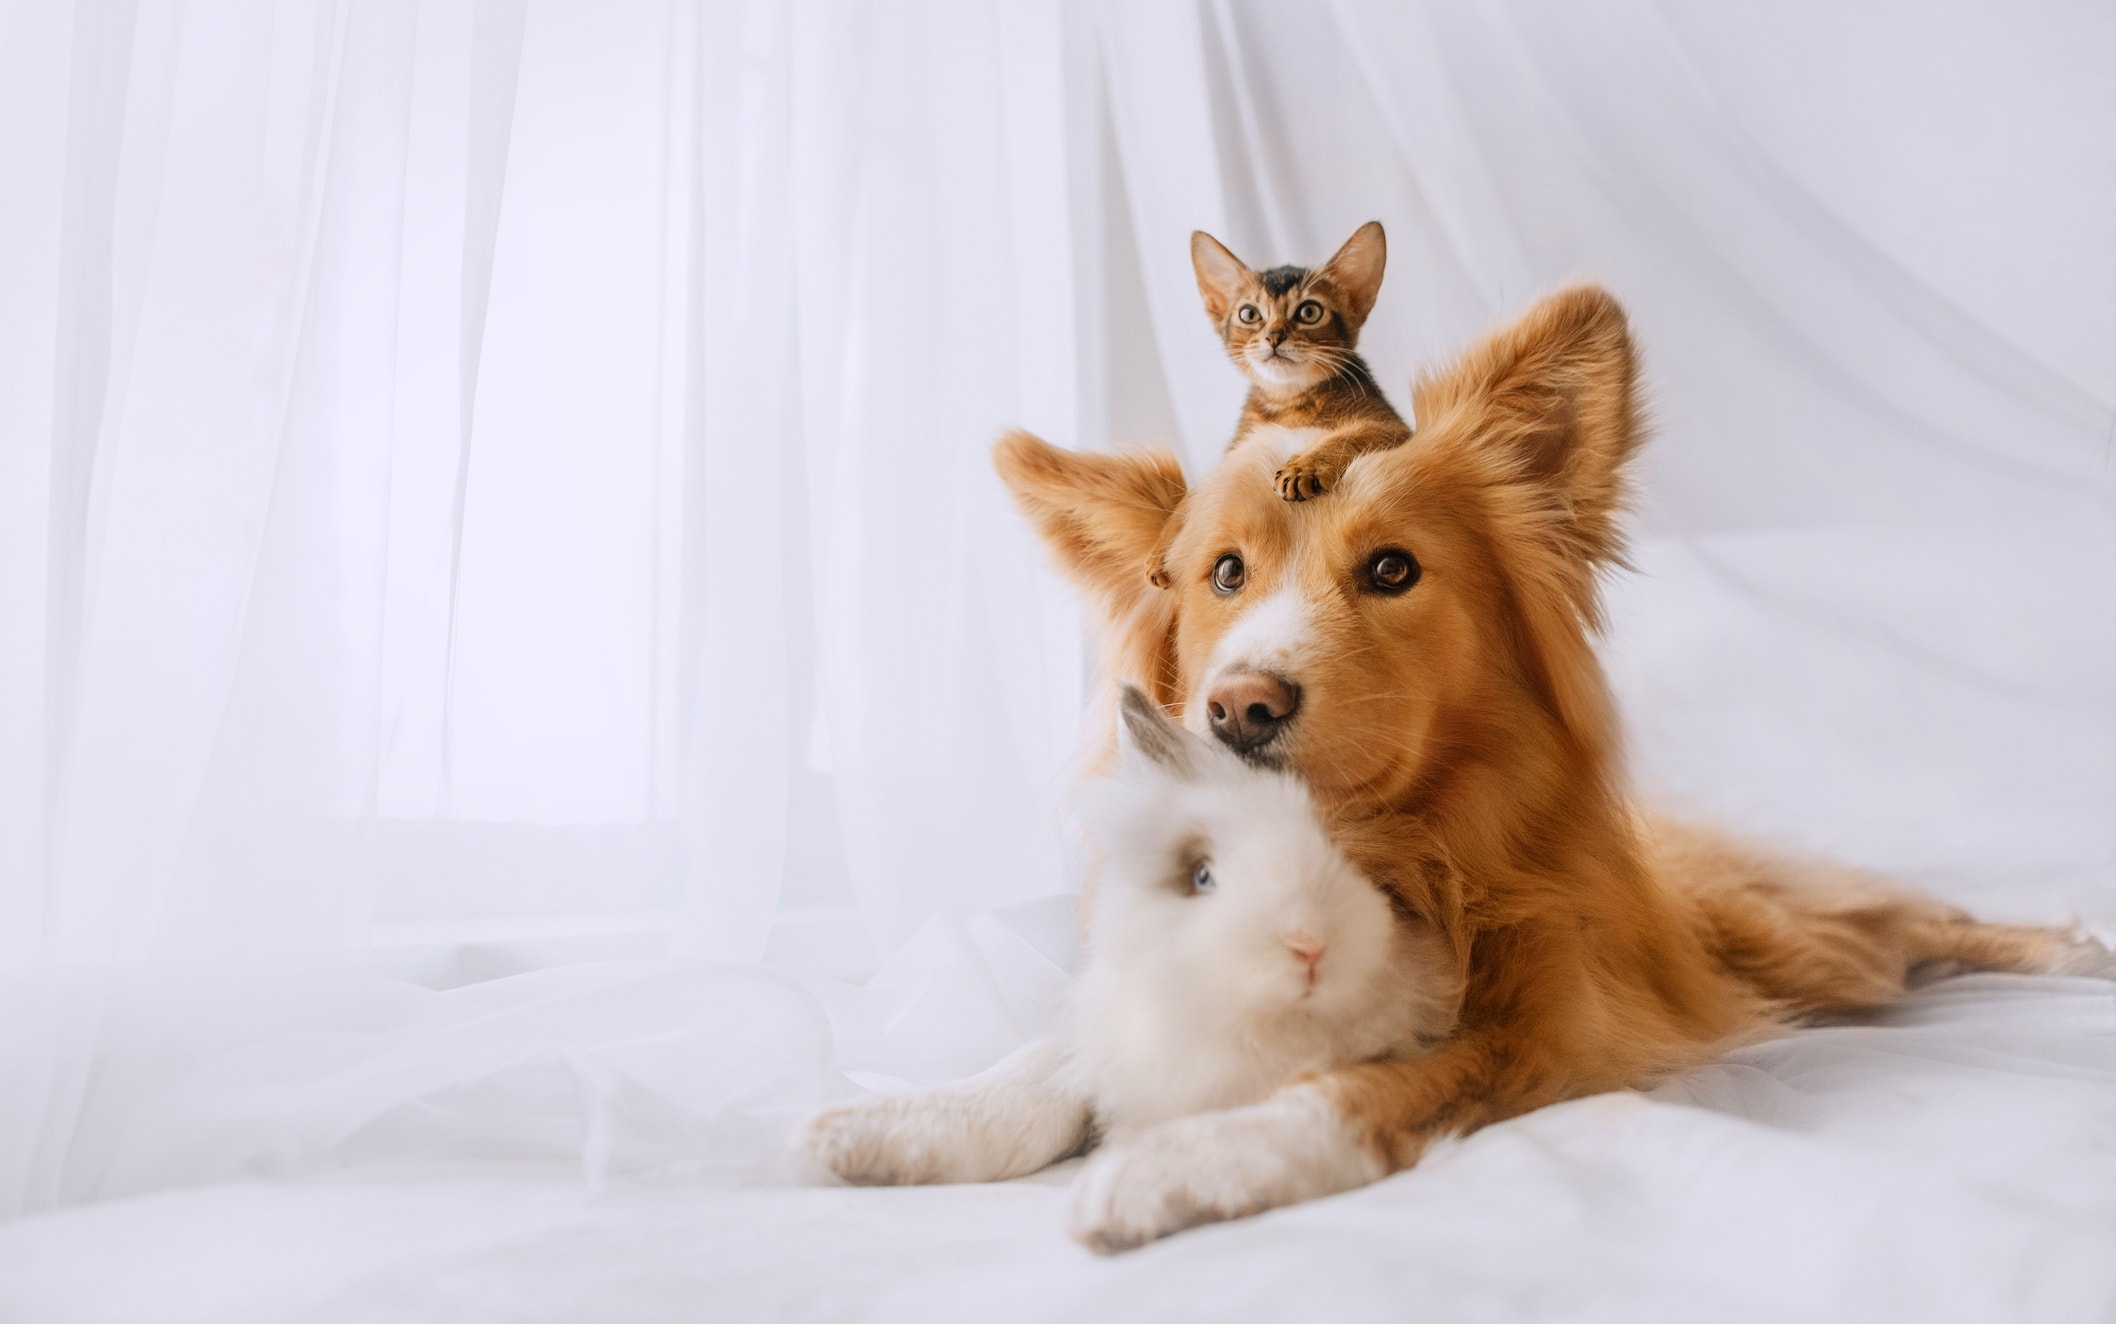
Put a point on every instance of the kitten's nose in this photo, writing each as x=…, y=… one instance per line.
x=1247, y=708
x=1276, y=335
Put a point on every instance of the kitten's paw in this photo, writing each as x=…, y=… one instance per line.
x=1302, y=477
x=1216, y=1166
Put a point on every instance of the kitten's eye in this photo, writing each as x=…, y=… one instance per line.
x=1309, y=313
x=1201, y=877
x=1248, y=315
x=1228, y=574
x=1392, y=570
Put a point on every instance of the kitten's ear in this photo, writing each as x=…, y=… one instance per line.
x=1221, y=275
x=1149, y=736
x=1105, y=516
x=1355, y=270
x=1554, y=399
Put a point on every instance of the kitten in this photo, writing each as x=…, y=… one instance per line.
x=1292, y=332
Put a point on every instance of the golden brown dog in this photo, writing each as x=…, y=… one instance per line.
x=1418, y=645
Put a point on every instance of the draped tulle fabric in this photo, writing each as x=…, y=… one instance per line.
x=511, y=650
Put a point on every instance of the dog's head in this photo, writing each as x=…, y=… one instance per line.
x=1384, y=639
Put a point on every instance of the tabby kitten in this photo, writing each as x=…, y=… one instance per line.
x=1291, y=331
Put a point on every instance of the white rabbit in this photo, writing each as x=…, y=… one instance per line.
x=1231, y=948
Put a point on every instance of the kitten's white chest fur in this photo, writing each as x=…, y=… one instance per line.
x=1284, y=442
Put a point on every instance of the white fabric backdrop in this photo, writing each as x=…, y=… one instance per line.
x=488, y=493
x=497, y=539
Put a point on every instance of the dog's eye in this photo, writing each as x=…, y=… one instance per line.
x=1228, y=574
x=1309, y=313
x=1248, y=315
x=1201, y=877
x=1392, y=570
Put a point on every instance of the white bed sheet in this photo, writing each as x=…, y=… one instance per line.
x=1952, y=1161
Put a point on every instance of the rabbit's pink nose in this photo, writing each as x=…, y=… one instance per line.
x=1310, y=951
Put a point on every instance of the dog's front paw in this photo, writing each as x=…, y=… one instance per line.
x=1302, y=477
x=1215, y=1166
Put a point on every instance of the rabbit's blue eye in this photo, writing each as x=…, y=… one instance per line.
x=1201, y=877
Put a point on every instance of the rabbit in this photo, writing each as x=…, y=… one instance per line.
x=1231, y=946
x=1230, y=949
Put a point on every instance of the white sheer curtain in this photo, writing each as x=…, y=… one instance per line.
x=497, y=486
x=504, y=607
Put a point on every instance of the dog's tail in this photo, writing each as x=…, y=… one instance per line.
x=1960, y=943
x=1818, y=939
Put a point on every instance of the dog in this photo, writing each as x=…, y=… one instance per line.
x=1417, y=645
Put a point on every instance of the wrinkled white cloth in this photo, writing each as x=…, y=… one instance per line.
x=1949, y=1162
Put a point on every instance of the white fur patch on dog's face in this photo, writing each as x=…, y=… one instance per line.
x=1273, y=635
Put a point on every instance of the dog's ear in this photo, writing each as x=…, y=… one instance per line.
x=1356, y=270
x=1104, y=516
x=1554, y=400
x=1221, y=275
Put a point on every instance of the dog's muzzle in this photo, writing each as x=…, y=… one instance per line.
x=1247, y=710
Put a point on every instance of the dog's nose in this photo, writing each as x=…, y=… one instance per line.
x=1247, y=708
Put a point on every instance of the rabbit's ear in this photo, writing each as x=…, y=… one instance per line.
x=1150, y=737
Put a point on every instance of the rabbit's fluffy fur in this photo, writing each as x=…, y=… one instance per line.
x=1457, y=735
x=1287, y=960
